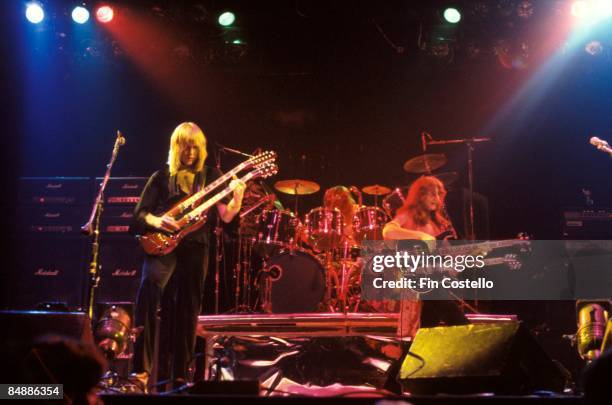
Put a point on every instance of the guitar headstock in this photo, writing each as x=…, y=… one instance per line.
x=525, y=241
x=266, y=169
x=512, y=261
x=260, y=160
x=524, y=236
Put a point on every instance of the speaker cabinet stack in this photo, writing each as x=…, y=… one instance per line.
x=49, y=247
x=52, y=256
x=120, y=256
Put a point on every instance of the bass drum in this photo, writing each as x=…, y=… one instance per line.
x=292, y=282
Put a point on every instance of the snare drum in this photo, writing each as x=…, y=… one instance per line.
x=323, y=227
x=292, y=282
x=276, y=230
x=368, y=223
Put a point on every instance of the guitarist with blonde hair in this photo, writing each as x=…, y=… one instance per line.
x=184, y=175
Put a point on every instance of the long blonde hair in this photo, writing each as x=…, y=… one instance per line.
x=186, y=133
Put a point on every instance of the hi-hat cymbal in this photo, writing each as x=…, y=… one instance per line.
x=425, y=163
x=297, y=186
x=376, y=189
x=447, y=178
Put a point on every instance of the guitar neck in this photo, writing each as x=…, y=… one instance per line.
x=200, y=210
x=463, y=249
x=195, y=198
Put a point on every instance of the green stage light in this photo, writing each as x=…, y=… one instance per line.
x=227, y=18
x=452, y=15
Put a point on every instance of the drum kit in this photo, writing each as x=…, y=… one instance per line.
x=311, y=263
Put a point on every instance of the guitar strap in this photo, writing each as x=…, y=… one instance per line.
x=199, y=181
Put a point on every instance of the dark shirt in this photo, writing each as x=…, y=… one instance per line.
x=162, y=192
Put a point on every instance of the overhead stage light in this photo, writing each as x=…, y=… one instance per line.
x=593, y=48
x=226, y=19
x=104, y=14
x=602, y=8
x=592, y=11
x=80, y=15
x=34, y=13
x=452, y=15
x=581, y=9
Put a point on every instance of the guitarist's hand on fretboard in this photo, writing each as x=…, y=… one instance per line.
x=238, y=186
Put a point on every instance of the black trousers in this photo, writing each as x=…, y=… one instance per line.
x=187, y=265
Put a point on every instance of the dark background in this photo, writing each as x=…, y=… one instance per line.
x=341, y=90
x=319, y=84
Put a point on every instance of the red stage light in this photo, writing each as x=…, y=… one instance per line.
x=104, y=14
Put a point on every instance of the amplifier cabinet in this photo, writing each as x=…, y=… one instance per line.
x=122, y=190
x=120, y=262
x=55, y=191
x=48, y=269
x=50, y=219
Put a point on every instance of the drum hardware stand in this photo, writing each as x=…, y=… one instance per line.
x=218, y=258
x=296, y=200
x=328, y=281
x=219, y=229
x=242, y=291
x=93, y=227
x=266, y=302
x=237, y=274
x=247, y=271
x=218, y=240
x=469, y=143
x=355, y=190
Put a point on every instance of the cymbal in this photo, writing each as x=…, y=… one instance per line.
x=447, y=178
x=297, y=186
x=376, y=189
x=425, y=163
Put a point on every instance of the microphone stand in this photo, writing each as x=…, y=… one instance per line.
x=236, y=151
x=93, y=227
x=219, y=230
x=469, y=142
x=218, y=240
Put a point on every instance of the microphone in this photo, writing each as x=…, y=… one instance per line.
x=120, y=138
x=423, y=141
x=235, y=151
x=601, y=145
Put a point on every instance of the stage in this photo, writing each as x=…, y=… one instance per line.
x=308, y=201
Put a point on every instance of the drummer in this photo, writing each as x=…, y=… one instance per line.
x=340, y=197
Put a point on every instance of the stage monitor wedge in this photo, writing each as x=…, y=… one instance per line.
x=501, y=358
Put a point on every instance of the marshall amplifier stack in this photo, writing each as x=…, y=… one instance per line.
x=587, y=223
x=120, y=256
x=50, y=248
x=54, y=256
